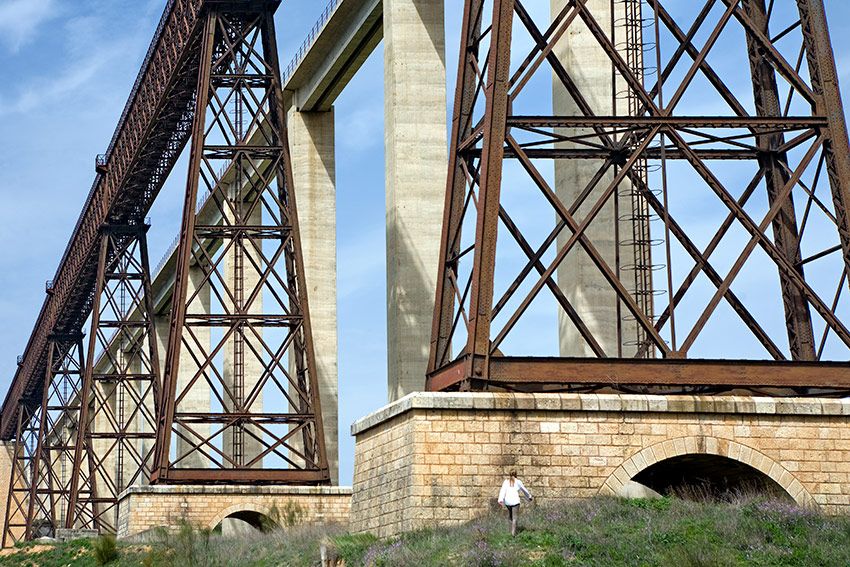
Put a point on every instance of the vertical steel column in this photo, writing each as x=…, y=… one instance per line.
x=456, y=187
x=83, y=435
x=308, y=380
x=36, y=461
x=798, y=318
x=824, y=77
x=184, y=255
x=16, y=525
x=495, y=129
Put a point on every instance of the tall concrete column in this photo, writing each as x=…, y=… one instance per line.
x=579, y=278
x=311, y=144
x=415, y=141
x=242, y=368
x=198, y=398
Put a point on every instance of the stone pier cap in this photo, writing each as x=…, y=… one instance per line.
x=639, y=403
x=432, y=459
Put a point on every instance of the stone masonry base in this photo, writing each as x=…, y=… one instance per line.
x=143, y=508
x=433, y=458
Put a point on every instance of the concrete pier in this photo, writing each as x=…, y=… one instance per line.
x=416, y=156
x=311, y=144
x=582, y=282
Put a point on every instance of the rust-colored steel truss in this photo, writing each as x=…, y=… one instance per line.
x=87, y=424
x=120, y=390
x=44, y=448
x=150, y=135
x=768, y=172
x=240, y=337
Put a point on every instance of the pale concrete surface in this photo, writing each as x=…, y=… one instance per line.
x=7, y=456
x=242, y=369
x=416, y=160
x=582, y=282
x=632, y=489
x=341, y=47
x=311, y=142
x=439, y=458
x=234, y=527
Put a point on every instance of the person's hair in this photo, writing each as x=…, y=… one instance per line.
x=512, y=474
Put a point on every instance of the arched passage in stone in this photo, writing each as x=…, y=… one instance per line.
x=721, y=463
x=243, y=519
x=709, y=475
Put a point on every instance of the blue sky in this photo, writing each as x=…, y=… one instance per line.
x=68, y=66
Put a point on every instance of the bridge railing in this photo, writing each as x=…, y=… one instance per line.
x=311, y=37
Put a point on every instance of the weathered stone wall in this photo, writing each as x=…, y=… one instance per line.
x=142, y=508
x=434, y=458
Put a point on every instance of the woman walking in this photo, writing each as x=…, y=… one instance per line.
x=509, y=498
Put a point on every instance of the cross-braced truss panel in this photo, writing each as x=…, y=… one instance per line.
x=680, y=195
x=121, y=384
x=243, y=402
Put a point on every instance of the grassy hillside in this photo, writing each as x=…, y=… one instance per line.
x=602, y=532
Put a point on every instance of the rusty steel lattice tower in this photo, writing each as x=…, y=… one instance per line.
x=120, y=389
x=236, y=339
x=727, y=171
x=40, y=480
x=237, y=402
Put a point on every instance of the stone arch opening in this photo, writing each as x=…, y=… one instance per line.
x=243, y=521
x=708, y=457
x=706, y=475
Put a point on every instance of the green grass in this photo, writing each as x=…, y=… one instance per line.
x=621, y=532
x=600, y=531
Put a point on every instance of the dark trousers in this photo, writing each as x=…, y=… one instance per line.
x=513, y=513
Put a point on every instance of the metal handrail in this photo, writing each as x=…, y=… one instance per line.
x=173, y=246
x=310, y=39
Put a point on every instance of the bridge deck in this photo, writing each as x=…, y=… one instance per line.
x=148, y=139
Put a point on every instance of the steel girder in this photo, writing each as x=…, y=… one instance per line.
x=151, y=133
x=789, y=130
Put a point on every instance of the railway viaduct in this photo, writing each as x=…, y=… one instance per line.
x=428, y=457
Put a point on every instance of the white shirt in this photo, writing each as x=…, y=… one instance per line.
x=509, y=495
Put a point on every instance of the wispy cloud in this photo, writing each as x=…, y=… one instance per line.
x=363, y=129
x=359, y=266
x=45, y=90
x=82, y=66
x=20, y=19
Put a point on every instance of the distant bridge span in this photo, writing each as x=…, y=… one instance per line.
x=151, y=133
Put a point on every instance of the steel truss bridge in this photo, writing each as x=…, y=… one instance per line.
x=91, y=412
